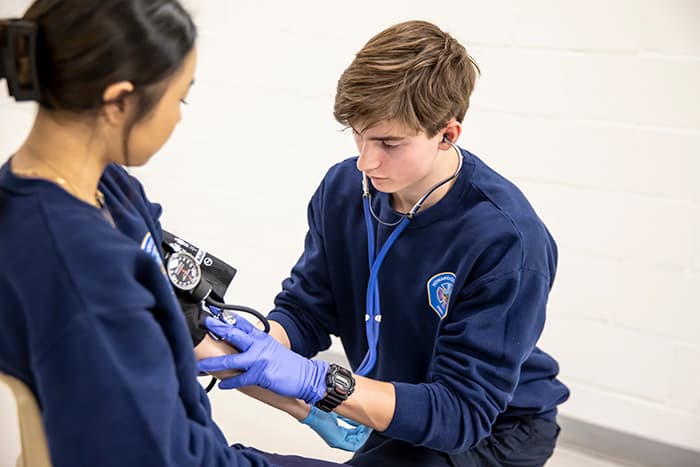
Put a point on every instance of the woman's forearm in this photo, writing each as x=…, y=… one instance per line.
x=294, y=407
x=209, y=347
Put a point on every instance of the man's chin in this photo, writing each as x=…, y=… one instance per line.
x=383, y=184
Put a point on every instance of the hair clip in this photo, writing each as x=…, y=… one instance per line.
x=14, y=30
x=2, y=53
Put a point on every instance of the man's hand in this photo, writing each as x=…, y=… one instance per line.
x=266, y=363
x=329, y=426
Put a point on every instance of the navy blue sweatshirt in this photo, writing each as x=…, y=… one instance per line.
x=89, y=321
x=463, y=295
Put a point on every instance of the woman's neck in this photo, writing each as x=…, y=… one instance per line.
x=64, y=149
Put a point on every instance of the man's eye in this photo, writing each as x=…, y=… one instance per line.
x=184, y=101
x=389, y=146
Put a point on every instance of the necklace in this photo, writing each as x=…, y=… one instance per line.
x=64, y=183
x=72, y=188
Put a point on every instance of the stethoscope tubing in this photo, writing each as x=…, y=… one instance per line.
x=373, y=314
x=372, y=304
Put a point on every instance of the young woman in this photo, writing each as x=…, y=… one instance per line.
x=88, y=319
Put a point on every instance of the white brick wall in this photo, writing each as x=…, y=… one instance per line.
x=593, y=109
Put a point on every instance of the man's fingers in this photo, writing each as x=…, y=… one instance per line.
x=237, y=382
x=240, y=339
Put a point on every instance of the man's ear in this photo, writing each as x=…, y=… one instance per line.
x=114, y=101
x=450, y=134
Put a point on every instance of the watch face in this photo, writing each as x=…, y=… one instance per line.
x=343, y=381
x=183, y=270
x=340, y=380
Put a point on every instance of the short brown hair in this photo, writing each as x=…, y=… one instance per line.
x=412, y=72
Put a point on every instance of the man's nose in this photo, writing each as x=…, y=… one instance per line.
x=369, y=158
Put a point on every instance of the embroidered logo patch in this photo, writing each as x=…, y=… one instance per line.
x=439, y=291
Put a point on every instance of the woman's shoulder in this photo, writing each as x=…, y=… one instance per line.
x=64, y=260
x=58, y=235
x=116, y=177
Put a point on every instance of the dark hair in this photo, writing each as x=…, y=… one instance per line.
x=83, y=46
x=413, y=72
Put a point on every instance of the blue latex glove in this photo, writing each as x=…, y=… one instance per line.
x=335, y=434
x=266, y=363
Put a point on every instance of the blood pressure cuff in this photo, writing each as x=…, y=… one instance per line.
x=215, y=271
x=194, y=315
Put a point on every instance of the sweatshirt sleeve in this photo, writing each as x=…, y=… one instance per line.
x=305, y=307
x=494, y=326
x=125, y=409
x=116, y=376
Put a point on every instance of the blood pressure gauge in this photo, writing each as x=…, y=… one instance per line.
x=183, y=271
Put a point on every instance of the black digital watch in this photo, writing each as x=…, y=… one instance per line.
x=340, y=384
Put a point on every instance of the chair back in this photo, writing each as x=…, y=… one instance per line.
x=35, y=451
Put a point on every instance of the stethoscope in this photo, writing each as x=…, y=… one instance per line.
x=373, y=315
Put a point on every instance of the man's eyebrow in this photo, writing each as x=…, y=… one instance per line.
x=386, y=138
x=380, y=138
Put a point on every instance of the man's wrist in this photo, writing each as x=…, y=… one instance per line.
x=303, y=415
x=340, y=384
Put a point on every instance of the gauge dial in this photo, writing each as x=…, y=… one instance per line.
x=183, y=270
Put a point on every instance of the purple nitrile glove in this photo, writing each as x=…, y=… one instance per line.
x=266, y=363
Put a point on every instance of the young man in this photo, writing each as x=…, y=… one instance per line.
x=435, y=278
